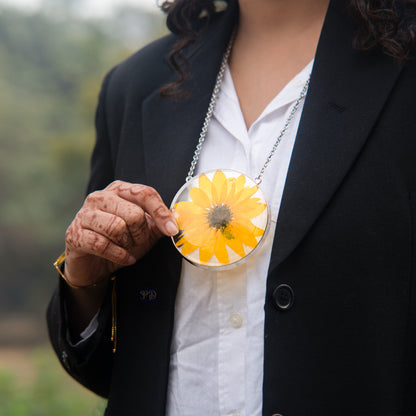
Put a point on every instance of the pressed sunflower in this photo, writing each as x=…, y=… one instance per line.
x=216, y=222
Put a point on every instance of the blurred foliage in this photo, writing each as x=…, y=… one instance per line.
x=50, y=392
x=52, y=66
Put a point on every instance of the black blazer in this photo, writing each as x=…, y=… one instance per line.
x=345, y=240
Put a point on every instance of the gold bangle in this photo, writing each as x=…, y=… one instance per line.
x=58, y=264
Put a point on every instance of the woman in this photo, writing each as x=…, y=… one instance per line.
x=321, y=319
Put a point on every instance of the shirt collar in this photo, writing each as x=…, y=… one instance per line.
x=228, y=111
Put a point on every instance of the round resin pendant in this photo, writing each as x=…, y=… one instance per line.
x=222, y=217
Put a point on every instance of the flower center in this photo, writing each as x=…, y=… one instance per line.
x=219, y=216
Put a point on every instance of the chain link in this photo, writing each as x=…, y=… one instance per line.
x=210, y=112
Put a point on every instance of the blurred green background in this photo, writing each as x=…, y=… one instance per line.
x=53, y=58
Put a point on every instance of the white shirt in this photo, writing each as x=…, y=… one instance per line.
x=216, y=365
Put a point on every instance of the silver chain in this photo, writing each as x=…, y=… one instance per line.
x=210, y=112
x=211, y=108
x=295, y=107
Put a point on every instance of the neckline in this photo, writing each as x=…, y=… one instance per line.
x=284, y=98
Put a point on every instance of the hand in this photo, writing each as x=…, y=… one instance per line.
x=114, y=228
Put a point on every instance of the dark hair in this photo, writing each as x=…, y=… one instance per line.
x=184, y=19
x=386, y=24
x=389, y=25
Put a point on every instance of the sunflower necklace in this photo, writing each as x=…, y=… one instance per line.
x=222, y=214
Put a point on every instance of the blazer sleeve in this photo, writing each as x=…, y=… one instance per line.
x=90, y=362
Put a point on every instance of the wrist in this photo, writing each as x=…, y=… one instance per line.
x=60, y=267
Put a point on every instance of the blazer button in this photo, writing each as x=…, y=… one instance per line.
x=284, y=297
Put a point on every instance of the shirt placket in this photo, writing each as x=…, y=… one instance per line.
x=232, y=317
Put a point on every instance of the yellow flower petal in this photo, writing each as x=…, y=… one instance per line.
x=188, y=249
x=201, y=236
x=205, y=254
x=218, y=181
x=244, y=234
x=199, y=197
x=231, y=199
x=246, y=193
x=250, y=208
x=189, y=220
x=249, y=226
x=240, y=182
x=205, y=185
x=224, y=191
x=188, y=208
x=236, y=245
x=221, y=250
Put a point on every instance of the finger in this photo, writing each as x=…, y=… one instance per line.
x=108, y=225
x=132, y=215
x=150, y=201
x=153, y=229
x=96, y=244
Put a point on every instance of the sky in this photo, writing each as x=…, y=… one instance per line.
x=93, y=8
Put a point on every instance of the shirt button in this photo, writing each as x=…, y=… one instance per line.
x=236, y=320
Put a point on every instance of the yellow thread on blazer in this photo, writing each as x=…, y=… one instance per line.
x=114, y=315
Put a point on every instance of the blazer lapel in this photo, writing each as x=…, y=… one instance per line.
x=347, y=92
x=171, y=127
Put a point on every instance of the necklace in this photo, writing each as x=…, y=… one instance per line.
x=222, y=214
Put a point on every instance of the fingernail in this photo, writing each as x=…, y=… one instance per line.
x=171, y=228
x=131, y=260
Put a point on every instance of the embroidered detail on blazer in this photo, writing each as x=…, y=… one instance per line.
x=147, y=295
